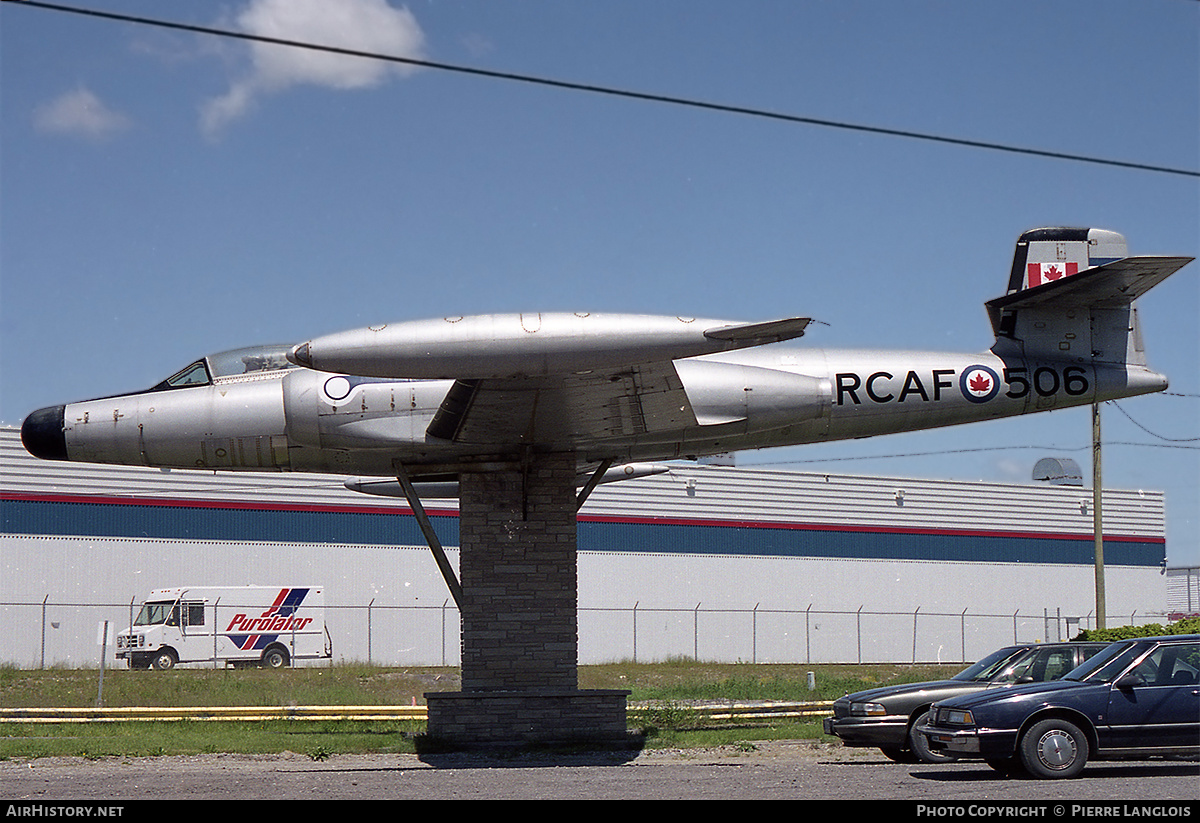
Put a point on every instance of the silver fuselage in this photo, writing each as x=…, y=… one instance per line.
x=294, y=418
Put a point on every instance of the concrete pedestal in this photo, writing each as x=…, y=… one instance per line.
x=517, y=568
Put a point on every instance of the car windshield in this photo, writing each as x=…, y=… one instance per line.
x=1107, y=665
x=989, y=667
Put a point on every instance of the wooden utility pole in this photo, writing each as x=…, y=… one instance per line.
x=1098, y=517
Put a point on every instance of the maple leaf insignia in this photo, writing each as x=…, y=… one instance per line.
x=1052, y=273
x=980, y=383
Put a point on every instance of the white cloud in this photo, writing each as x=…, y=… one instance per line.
x=79, y=112
x=362, y=25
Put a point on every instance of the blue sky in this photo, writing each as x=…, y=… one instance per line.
x=166, y=194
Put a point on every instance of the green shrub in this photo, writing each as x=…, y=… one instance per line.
x=1189, y=626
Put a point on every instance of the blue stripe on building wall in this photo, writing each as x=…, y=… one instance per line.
x=385, y=527
x=215, y=522
x=669, y=538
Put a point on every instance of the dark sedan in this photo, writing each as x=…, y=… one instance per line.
x=1138, y=698
x=886, y=717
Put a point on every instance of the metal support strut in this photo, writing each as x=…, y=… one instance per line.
x=593, y=481
x=435, y=545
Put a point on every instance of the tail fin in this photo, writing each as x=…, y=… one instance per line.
x=1047, y=255
x=1070, y=295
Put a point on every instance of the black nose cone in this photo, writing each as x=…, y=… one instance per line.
x=42, y=433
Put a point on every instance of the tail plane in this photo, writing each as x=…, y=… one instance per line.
x=1071, y=295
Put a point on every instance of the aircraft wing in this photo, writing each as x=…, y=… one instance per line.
x=544, y=378
x=568, y=408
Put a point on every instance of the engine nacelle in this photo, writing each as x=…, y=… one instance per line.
x=762, y=398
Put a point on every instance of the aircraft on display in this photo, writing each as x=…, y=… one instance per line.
x=429, y=399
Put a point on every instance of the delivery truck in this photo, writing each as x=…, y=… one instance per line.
x=268, y=626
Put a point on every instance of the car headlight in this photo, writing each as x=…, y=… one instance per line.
x=867, y=709
x=958, y=717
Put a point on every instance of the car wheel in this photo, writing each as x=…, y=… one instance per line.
x=920, y=746
x=1054, y=749
x=163, y=660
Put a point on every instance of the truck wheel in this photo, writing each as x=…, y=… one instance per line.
x=920, y=746
x=163, y=659
x=274, y=658
x=1053, y=749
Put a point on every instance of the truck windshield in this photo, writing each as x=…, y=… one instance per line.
x=155, y=614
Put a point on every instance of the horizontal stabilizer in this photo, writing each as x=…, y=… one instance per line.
x=1112, y=284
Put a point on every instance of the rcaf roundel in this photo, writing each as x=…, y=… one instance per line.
x=979, y=384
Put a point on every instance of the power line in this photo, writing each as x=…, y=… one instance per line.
x=941, y=452
x=611, y=91
x=1152, y=434
x=1169, y=443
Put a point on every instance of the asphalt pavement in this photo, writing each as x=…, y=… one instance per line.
x=786, y=770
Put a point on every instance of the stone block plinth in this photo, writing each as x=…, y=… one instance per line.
x=535, y=717
x=517, y=563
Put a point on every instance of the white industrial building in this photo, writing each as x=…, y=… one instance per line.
x=717, y=562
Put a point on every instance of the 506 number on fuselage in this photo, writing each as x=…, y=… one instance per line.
x=976, y=383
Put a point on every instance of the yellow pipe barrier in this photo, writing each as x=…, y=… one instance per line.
x=719, y=711
x=242, y=713
x=748, y=711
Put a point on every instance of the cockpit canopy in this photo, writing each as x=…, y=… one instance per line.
x=233, y=363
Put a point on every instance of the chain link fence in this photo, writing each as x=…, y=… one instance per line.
x=66, y=634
